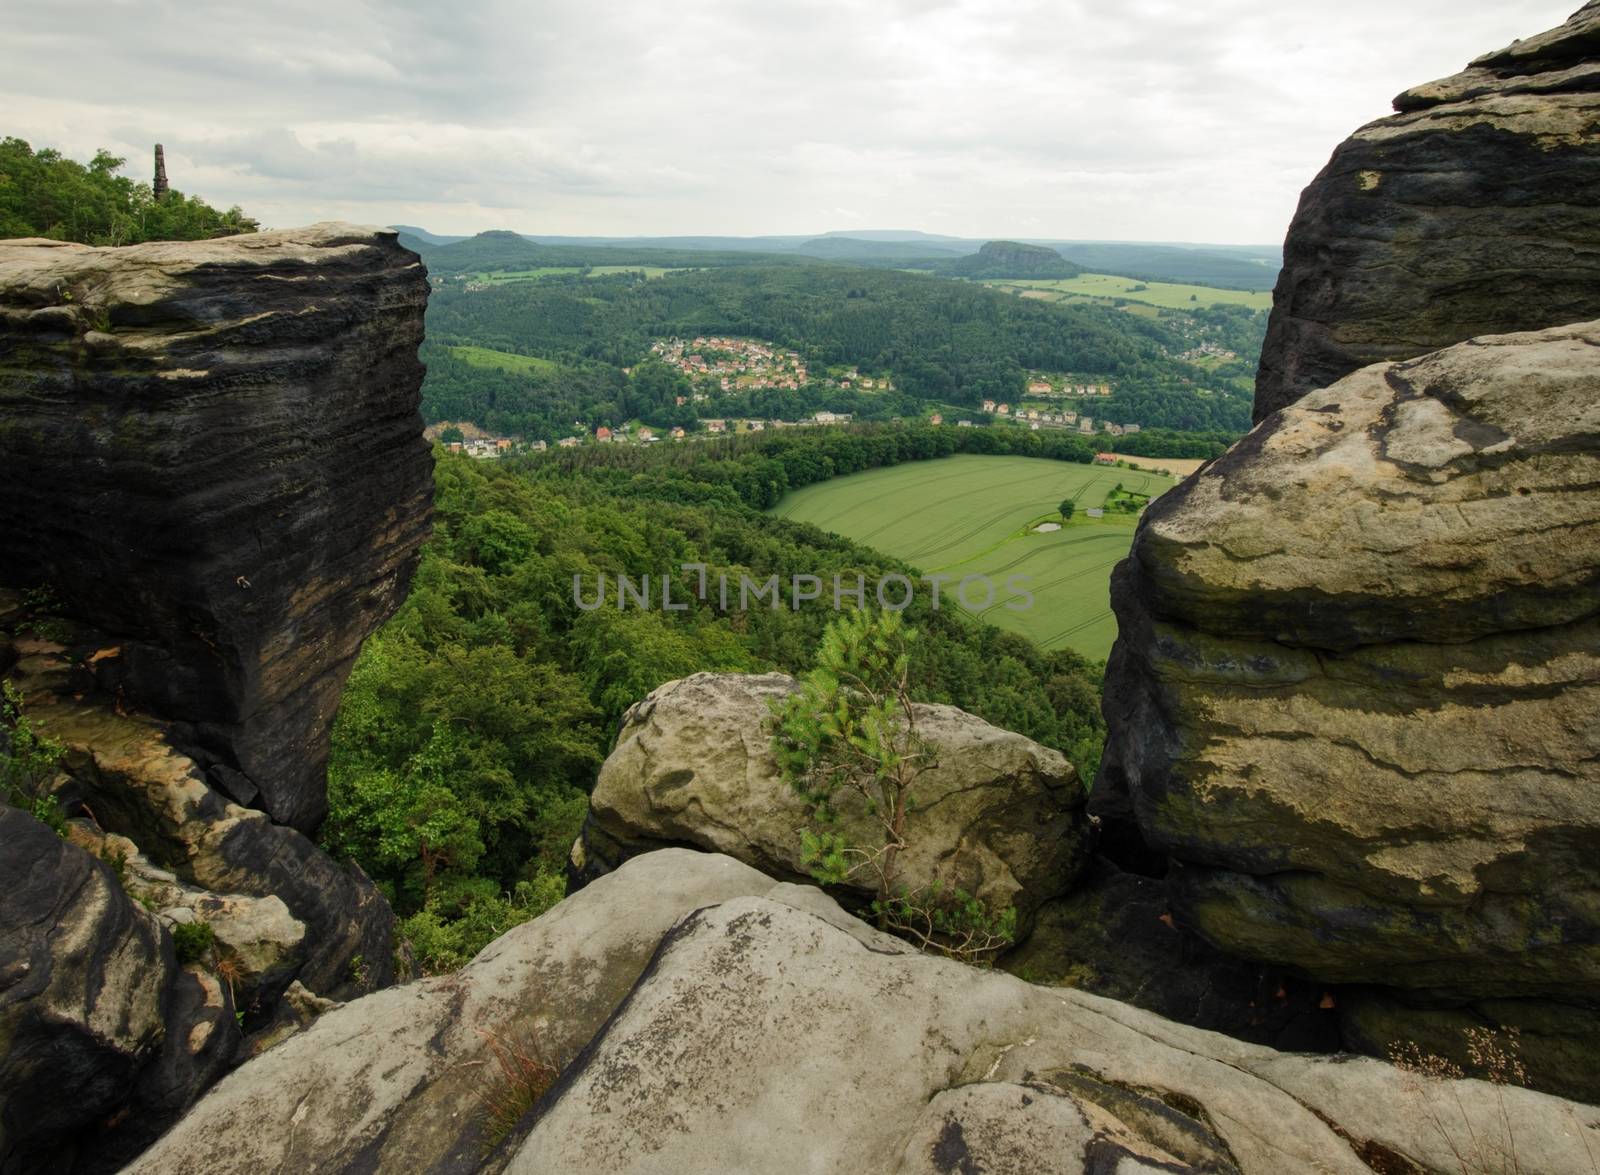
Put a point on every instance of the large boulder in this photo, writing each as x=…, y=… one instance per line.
x=213, y=450
x=704, y=1018
x=1474, y=210
x=1000, y=816
x=1353, y=697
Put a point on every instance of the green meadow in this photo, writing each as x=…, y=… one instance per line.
x=969, y=515
x=503, y=360
x=1167, y=295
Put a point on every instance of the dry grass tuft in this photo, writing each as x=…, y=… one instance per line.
x=517, y=1077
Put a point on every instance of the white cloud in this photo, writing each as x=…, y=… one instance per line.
x=1149, y=119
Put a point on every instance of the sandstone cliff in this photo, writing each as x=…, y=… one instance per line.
x=213, y=486
x=1474, y=210
x=1354, y=695
x=212, y=451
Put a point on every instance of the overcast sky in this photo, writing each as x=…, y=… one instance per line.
x=1114, y=119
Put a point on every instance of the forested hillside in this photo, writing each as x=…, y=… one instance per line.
x=945, y=341
x=475, y=721
x=45, y=194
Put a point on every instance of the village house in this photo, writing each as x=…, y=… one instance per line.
x=1033, y=414
x=539, y=446
x=1039, y=388
x=677, y=434
x=754, y=425
x=1004, y=409
x=716, y=425
x=963, y=424
x=988, y=405
x=602, y=433
x=567, y=442
x=1130, y=428
x=646, y=434
x=1105, y=458
x=936, y=418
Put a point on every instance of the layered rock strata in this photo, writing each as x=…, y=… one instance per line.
x=1354, y=697
x=1473, y=210
x=212, y=451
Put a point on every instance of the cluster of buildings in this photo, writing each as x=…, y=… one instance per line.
x=474, y=442
x=1207, y=351
x=646, y=435
x=1035, y=417
x=1038, y=386
x=735, y=364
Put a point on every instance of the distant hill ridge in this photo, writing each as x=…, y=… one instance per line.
x=1244, y=267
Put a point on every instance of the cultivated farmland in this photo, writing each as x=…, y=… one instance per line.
x=969, y=515
x=1167, y=295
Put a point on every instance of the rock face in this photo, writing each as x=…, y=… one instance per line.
x=213, y=451
x=92, y=997
x=1474, y=210
x=1000, y=816
x=1354, y=696
x=92, y=1002
x=704, y=1018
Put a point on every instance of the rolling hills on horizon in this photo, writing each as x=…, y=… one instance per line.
x=1247, y=267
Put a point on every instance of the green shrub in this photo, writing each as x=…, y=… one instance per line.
x=470, y=914
x=192, y=940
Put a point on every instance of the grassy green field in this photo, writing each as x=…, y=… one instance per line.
x=1163, y=294
x=504, y=360
x=969, y=515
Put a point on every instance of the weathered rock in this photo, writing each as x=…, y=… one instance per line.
x=1355, y=690
x=1000, y=816
x=213, y=450
x=706, y=1019
x=1475, y=210
x=280, y=906
x=103, y=1038
x=1114, y=935
x=394, y=1081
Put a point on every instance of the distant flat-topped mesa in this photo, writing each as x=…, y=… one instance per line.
x=213, y=451
x=1474, y=210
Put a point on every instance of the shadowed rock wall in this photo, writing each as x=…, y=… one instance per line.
x=213, y=450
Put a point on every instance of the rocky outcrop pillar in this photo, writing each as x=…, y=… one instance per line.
x=212, y=450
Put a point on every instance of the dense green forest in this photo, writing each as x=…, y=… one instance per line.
x=45, y=194
x=475, y=721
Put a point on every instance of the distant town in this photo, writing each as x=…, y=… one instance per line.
x=717, y=365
